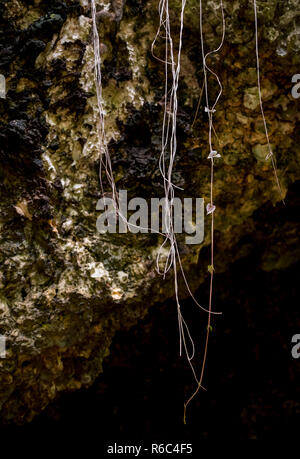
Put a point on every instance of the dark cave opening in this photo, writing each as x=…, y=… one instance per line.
x=251, y=376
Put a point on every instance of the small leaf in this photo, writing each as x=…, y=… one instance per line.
x=214, y=154
x=210, y=269
x=209, y=328
x=210, y=208
x=269, y=155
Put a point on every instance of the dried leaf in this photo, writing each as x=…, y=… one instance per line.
x=22, y=209
x=52, y=223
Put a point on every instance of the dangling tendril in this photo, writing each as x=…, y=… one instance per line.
x=210, y=110
x=270, y=155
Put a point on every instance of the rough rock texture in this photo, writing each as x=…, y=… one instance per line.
x=65, y=289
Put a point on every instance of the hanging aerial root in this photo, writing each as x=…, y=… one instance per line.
x=105, y=160
x=171, y=62
x=270, y=154
x=210, y=208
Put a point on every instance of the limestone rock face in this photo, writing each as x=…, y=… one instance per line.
x=65, y=288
